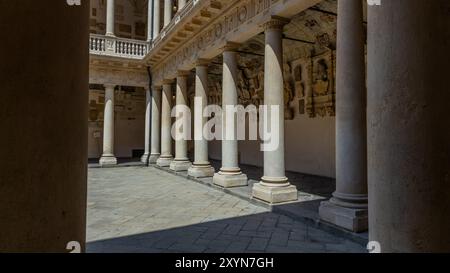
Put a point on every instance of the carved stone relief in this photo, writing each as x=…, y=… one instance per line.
x=250, y=85
x=321, y=100
x=243, y=12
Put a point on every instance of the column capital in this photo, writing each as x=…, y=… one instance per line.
x=109, y=86
x=168, y=81
x=156, y=87
x=275, y=22
x=202, y=62
x=183, y=73
x=230, y=46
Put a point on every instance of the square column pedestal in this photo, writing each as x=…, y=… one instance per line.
x=164, y=161
x=180, y=166
x=355, y=220
x=275, y=195
x=153, y=158
x=230, y=180
x=106, y=161
x=201, y=171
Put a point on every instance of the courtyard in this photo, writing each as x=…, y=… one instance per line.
x=147, y=210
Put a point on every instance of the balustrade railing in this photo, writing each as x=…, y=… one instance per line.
x=117, y=47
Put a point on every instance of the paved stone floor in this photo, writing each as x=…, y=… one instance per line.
x=141, y=209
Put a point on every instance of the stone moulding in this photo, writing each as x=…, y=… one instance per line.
x=218, y=22
x=118, y=73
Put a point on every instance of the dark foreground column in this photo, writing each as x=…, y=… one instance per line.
x=43, y=116
x=409, y=125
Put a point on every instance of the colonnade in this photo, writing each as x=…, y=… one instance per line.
x=408, y=132
x=356, y=167
x=153, y=16
x=274, y=186
x=348, y=207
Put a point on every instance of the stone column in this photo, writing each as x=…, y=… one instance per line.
x=230, y=174
x=44, y=123
x=150, y=20
x=274, y=187
x=181, y=162
x=166, y=125
x=110, y=17
x=201, y=166
x=409, y=125
x=156, y=18
x=156, y=125
x=181, y=4
x=348, y=207
x=168, y=10
x=144, y=158
x=108, y=157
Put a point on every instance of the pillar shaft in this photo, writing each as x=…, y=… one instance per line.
x=108, y=157
x=201, y=166
x=108, y=124
x=274, y=187
x=181, y=97
x=168, y=10
x=201, y=145
x=150, y=22
x=181, y=4
x=408, y=125
x=44, y=140
x=166, y=126
x=351, y=140
x=147, y=125
x=110, y=17
x=181, y=162
x=156, y=125
x=274, y=166
x=156, y=18
x=229, y=99
x=230, y=174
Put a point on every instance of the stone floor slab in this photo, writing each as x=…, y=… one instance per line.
x=142, y=209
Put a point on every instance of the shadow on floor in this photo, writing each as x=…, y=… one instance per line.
x=312, y=184
x=266, y=232
x=121, y=162
x=312, y=191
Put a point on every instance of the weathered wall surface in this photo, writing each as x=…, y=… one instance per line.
x=130, y=15
x=310, y=147
x=129, y=122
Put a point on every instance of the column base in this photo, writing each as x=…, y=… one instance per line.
x=145, y=158
x=230, y=180
x=164, y=161
x=153, y=158
x=199, y=171
x=108, y=161
x=180, y=166
x=352, y=219
x=274, y=195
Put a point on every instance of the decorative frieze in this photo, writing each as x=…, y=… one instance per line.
x=118, y=73
x=238, y=14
